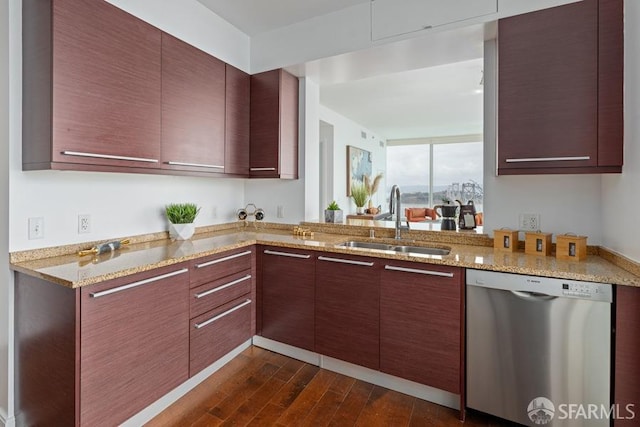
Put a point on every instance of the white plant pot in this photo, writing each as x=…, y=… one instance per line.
x=181, y=231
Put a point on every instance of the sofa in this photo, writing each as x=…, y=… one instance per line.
x=420, y=214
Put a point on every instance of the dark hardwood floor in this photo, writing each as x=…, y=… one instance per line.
x=262, y=388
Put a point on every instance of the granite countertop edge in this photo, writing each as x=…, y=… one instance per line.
x=462, y=255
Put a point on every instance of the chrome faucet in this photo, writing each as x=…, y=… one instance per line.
x=395, y=196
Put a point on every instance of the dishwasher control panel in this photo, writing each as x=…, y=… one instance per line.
x=582, y=290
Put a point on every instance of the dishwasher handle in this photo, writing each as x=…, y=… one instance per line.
x=533, y=296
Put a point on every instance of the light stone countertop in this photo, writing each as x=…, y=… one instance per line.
x=73, y=271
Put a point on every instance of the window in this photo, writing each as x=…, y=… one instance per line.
x=430, y=172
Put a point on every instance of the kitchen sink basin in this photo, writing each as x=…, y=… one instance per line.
x=405, y=249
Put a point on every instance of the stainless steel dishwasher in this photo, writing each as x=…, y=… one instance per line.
x=537, y=345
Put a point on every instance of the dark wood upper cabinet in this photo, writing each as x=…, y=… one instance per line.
x=348, y=309
x=274, y=125
x=288, y=296
x=627, y=353
x=421, y=325
x=193, y=108
x=91, y=90
x=560, y=90
x=236, y=160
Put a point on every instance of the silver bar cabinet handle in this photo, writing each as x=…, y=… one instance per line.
x=221, y=315
x=346, y=261
x=261, y=169
x=136, y=284
x=221, y=287
x=414, y=270
x=227, y=258
x=270, y=252
x=548, y=159
x=197, y=165
x=108, y=156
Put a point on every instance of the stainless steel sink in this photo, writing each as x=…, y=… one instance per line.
x=405, y=249
x=421, y=250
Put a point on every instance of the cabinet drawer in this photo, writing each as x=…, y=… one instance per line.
x=213, y=294
x=204, y=270
x=217, y=332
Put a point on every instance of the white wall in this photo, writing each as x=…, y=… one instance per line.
x=6, y=285
x=621, y=234
x=566, y=203
x=347, y=132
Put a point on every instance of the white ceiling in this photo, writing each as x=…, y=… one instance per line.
x=258, y=16
x=415, y=88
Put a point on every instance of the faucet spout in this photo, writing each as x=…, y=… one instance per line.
x=397, y=208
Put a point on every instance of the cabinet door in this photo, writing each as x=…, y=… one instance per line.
x=548, y=89
x=288, y=296
x=106, y=86
x=421, y=324
x=347, y=309
x=627, y=369
x=236, y=161
x=274, y=125
x=396, y=17
x=193, y=108
x=134, y=343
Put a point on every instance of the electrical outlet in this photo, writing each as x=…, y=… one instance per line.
x=84, y=224
x=529, y=222
x=280, y=213
x=36, y=228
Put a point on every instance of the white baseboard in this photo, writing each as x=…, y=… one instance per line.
x=381, y=379
x=288, y=350
x=165, y=401
x=6, y=421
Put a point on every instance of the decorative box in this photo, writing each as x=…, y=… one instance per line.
x=537, y=243
x=571, y=247
x=505, y=240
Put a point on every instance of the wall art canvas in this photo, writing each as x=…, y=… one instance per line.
x=358, y=164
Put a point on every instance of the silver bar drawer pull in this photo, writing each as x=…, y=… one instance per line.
x=197, y=165
x=346, y=261
x=261, y=169
x=221, y=315
x=414, y=270
x=221, y=287
x=270, y=252
x=108, y=156
x=548, y=159
x=136, y=284
x=227, y=258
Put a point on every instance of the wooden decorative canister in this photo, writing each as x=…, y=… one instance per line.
x=537, y=243
x=505, y=240
x=571, y=247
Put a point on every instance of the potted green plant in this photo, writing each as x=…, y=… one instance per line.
x=333, y=213
x=360, y=195
x=181, y=217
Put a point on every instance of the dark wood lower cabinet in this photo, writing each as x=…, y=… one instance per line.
x=133, y=343
x=627, y=357
x=421, y=312
x=97, y=355
x=288, y=296
x=347, y=308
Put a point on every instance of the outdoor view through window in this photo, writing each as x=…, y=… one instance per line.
x=455, y=173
